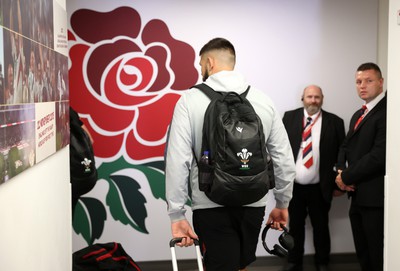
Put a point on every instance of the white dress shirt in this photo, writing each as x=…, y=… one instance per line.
x=310, y=175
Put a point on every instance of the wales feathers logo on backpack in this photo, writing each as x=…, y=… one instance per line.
x=245, y=155
x=235, y=168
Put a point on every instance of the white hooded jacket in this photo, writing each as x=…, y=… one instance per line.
x=185, y=137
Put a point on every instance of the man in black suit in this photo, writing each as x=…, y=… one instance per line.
x=315, y=181
x=361, y=167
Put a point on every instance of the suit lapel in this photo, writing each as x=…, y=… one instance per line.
x=298, y=126
x=325, y=123
x=368, y=116
x=297, y=130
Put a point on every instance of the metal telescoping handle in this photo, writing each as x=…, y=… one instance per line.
x=172, y=244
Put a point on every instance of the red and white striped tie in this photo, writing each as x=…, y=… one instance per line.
x=307, y=139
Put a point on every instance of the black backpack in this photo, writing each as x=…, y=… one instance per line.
x=83, y=172
x=238, y=169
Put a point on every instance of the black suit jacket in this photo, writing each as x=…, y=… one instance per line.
x=332, y=136
x=364, y=150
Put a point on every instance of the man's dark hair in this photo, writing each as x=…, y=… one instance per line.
x=370, y=66
x=218, y=44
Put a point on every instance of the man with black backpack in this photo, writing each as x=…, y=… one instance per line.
x=224, y=154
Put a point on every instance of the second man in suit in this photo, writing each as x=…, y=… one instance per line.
x=362, y=165
x=315, y=137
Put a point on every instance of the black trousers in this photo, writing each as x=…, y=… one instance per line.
x=308, y=201
x=228, y=236
x=367, y=228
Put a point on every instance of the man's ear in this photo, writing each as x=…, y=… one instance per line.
x=210, y=64
x=211, y=61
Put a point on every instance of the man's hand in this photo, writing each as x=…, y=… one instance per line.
x=341, y=184
x=183, y=229
x=278, y=217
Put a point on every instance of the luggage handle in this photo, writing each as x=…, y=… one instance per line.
x=172, y=244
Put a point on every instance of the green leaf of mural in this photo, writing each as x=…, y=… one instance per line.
x=123, y=207
x=153, y=172
x=156, y=179
x=127, y=204
x=160, y=165
x=89, y=218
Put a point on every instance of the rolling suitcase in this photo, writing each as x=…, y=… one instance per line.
x=175, y=261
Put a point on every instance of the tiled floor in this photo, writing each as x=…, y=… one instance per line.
x=339, y=262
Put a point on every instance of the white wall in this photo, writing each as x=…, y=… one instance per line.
x=392, y=200
x=35, y=215
x=35, y=227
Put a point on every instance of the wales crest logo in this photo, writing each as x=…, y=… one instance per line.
x=244, y=158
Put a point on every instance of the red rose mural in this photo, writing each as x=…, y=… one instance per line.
x=124, y=81
x=126, y=84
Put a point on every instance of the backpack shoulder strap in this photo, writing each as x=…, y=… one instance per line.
x=212, y=94
x=207, y=90
x=244, y=94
